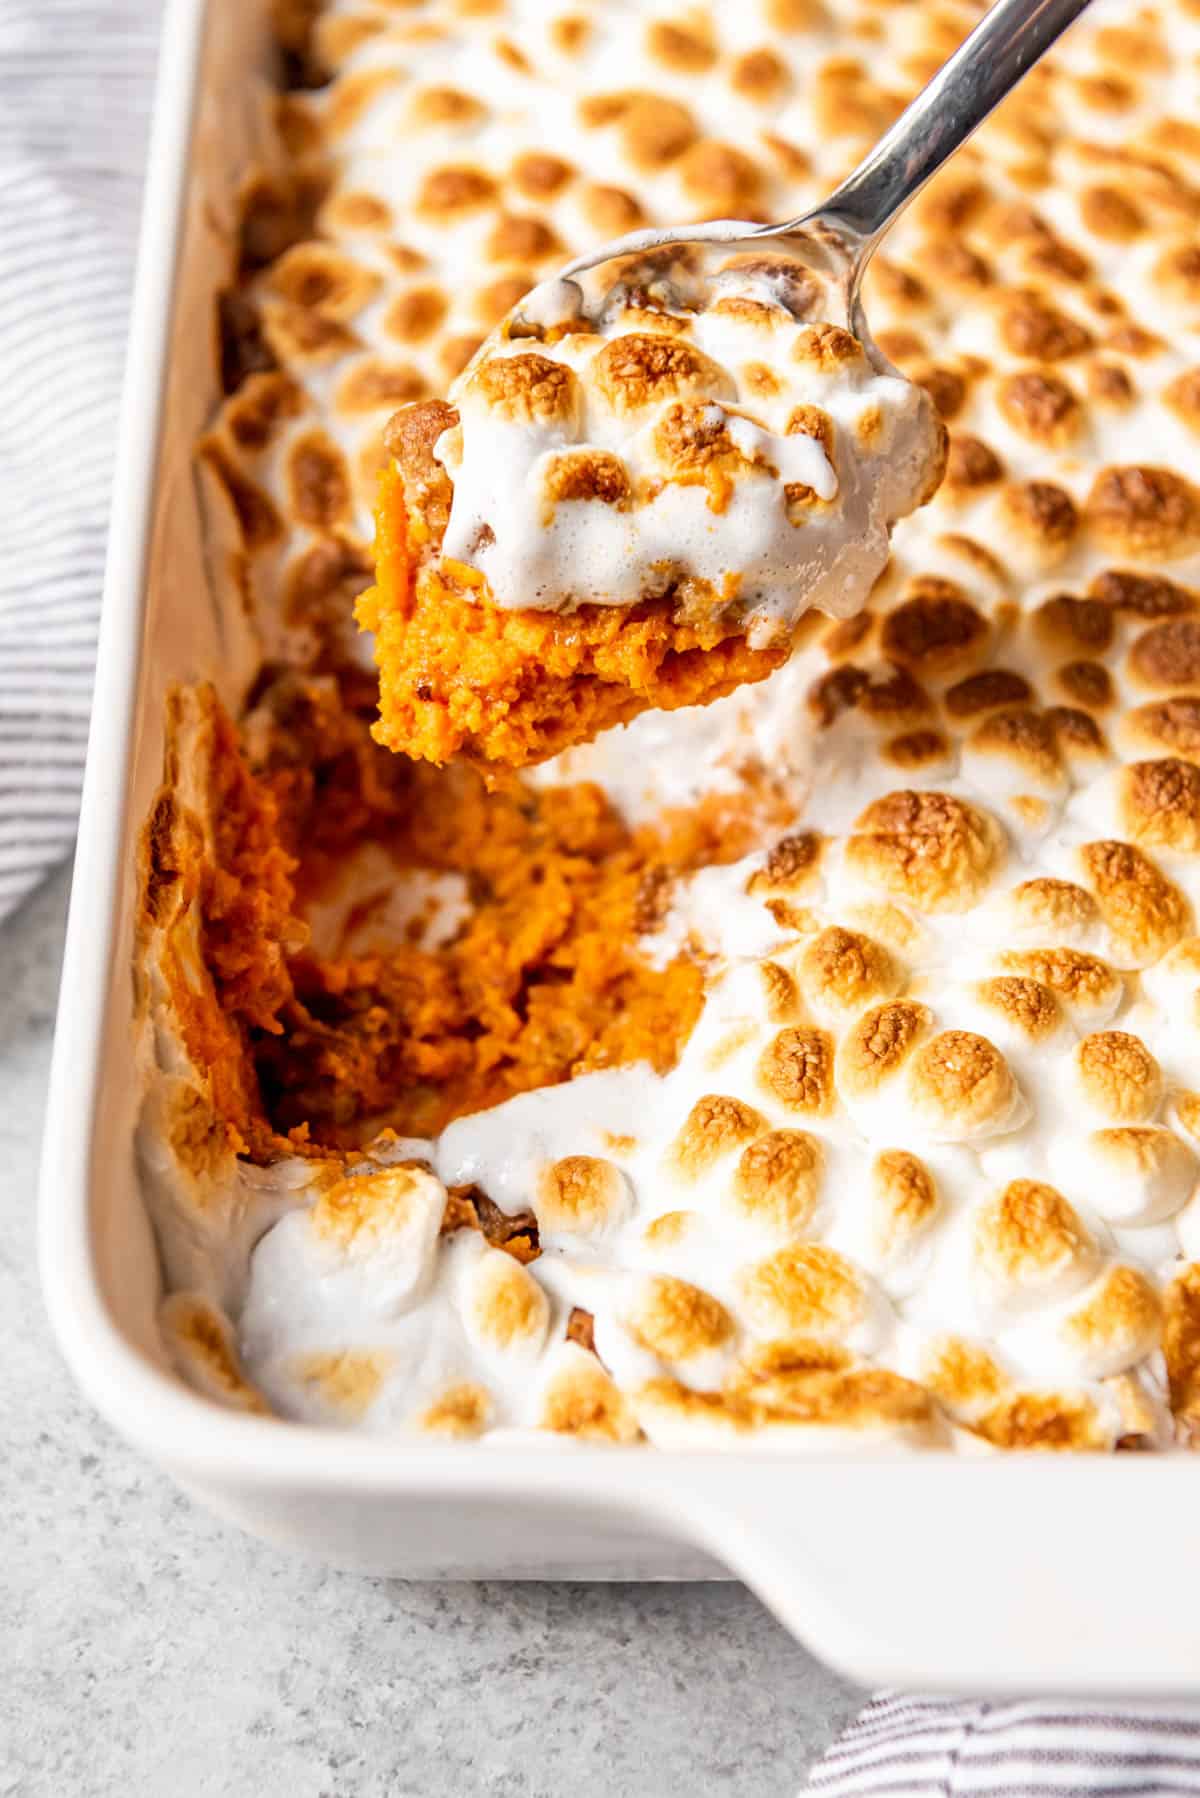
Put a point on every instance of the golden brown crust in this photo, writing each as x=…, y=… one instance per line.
x=1024, y=1004
x=1119, y=1076
x=1032, y=326
x=583, y=1401
x=1144, y=512
x=676, y=1320
x=879, y=1044
x=1181, y=1347
x=581, y=1193
x=460, y=1412
x=845, y=971
x=935, y=631
x=936, y=850
x=345, y=1382
x=1171, y=724
x=796, y=1069
x=504, y=1307
x=715, y=1126
x=777, y=1181
x=1041, y=515
x=1142, y=908
x=1028, y=1234
x=1024, y=739
x=1168, y=654
x=1160, y=804
x=640, y=369
x=805, y=1290
x=1044, y=1421
x=904, y=1199
x=527, y=388
x=959, y=1083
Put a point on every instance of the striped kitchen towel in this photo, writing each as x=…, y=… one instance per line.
x=75, y=84
x=923, y=1747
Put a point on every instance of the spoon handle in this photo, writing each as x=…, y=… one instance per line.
x=1005, y=44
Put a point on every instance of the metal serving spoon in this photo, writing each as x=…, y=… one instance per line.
x=839, y=237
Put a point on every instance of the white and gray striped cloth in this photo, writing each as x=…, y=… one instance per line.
x=75, y=85
x=927, y=1747
x=75, y=82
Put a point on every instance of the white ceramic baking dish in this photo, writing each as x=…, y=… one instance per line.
x=1022, y=1573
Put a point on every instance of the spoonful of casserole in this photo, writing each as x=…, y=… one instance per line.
x=663, y=459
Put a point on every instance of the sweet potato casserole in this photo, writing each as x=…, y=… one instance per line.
x=815, y=1066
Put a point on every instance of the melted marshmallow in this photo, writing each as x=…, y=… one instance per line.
x=715, y=427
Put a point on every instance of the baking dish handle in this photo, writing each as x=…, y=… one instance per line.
x=953, y=1574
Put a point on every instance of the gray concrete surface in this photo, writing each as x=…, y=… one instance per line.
x=147, y=1650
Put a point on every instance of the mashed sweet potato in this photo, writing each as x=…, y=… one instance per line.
x=544, y=979
x=462, y=676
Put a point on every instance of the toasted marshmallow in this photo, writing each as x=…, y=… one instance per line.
x=1029, y=1247
x=772, y=1372
x=1173, y=983
x=960, y=1089
x=1143, y=510
x=795, y=1071
x=675, y=1416
x=1181, y=1349
x=462, y=1410
x=372, y=1234
x=202, y=1344
x=873, y=1053
x=1022, y=1016
x=1166, y=655
x=1012, y=753
x=775, y=1189
x=817, y=1384
x=504, y=1309
x=1045, y=910
x=903, y=1210
x=1146, y=1421
x=1184, y=1113
x=1130, y=1174
x=778, y=991
x=822, y=1412
x=526, y=389
x=841, y=972
x=677, y=1238
x=340, y=1385
x=962, y=1375
x=1145, y=912
x=1109, y=1327
x=1114, y=1078
x=810, y=1290
x=638, y=445
x=1087, y=987
x=1052, y=1421
x=579, y=1399
x=715, y=1127
x=680, y=1324
x=1166, y=725
x=932, y=850
x=1159, y=805
x=580, y=1195
x=1187, y=1224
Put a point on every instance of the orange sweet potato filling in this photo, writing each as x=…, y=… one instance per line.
x=459, y=675
x=544, y=979
x=243, y=895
